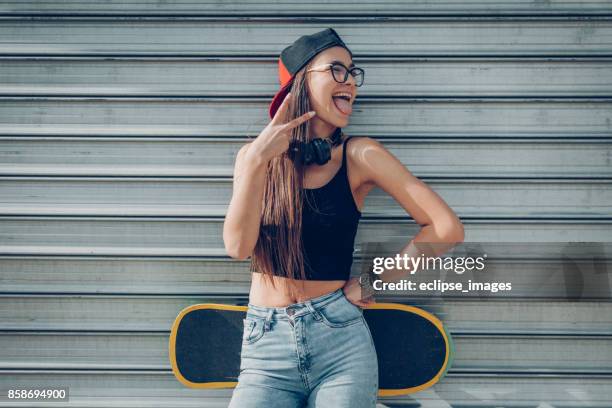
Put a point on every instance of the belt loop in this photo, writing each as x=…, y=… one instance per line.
x=313, y=310
x=268, y=320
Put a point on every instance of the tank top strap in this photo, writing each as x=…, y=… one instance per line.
x=344, y=152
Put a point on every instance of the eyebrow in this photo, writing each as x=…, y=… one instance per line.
x=340, y=62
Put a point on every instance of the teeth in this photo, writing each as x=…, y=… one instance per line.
x=348, y=95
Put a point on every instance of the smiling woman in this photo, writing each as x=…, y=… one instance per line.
x=298, y=221
x=344, y=99
x=332, y=86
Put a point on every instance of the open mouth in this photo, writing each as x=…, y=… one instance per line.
x=342, y=102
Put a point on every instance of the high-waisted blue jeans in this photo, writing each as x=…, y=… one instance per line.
x=317, y=353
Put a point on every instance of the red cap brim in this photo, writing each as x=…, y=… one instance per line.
x=279, y=98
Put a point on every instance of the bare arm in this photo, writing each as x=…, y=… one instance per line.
x=243, y=217
x=439, y=224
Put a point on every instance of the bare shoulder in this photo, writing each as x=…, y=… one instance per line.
x=358, y=143
x=239, y=160
x=243, y=150
x=359, y=148
x=241, y=154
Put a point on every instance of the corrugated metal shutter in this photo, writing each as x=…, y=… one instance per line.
x=119, y=124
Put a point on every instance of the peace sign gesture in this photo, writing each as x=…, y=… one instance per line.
x=275, y=138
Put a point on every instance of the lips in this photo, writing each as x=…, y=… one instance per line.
x=343, y=105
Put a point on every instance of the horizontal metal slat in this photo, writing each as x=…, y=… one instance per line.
x=258, y=77
x=407, y=118
x=142, y=351
x=213, y=37
x=215, y=157
x=574, y=276
x=159, y=237
x=284, y=8
x=135, y=389
x=82, y=312
x=210, y=198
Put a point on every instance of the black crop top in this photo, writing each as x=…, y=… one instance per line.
x=329, y=224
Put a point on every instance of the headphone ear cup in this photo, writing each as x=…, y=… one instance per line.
x=321, y=151
x=316, y=151
x=307, y=153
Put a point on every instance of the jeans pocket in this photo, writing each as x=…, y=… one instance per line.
x=340, y=313
x=253, y=330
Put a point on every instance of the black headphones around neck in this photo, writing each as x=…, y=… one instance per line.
x=318, y=150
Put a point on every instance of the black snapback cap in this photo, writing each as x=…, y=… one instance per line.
x=294, y=57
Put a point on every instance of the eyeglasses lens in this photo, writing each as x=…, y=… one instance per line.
x=341, y=75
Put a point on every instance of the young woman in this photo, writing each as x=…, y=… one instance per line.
x=305, y=341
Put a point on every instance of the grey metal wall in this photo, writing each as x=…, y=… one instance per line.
x=119, y=124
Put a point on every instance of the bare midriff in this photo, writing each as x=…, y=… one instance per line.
x=263, y=294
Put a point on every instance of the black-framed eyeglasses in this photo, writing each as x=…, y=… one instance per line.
x=341, y=73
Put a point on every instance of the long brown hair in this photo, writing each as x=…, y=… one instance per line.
x=279, y=244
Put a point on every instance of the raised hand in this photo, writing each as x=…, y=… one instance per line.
x=275, y=138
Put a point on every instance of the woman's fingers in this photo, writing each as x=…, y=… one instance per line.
x=363, y=302
x=358, y=303
x=281, y=109
x=368, y=301
x=293, y=123
x=298, y=121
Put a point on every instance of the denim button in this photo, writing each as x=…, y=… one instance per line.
x=290, y=312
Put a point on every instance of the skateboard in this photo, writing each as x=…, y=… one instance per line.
x=413, y=347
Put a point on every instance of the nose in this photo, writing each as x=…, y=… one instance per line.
x=351, y=80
